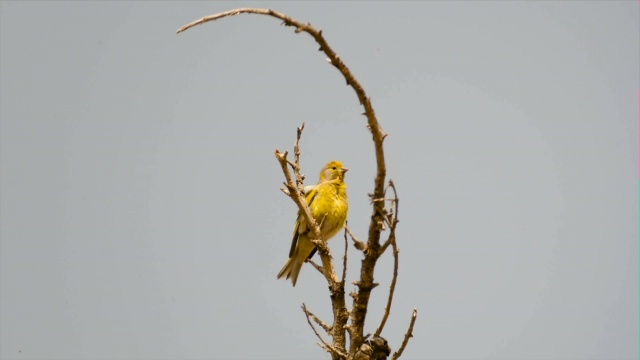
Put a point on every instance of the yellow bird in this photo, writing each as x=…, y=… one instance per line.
x=329, y=206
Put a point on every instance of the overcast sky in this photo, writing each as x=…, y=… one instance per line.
x=141, y=216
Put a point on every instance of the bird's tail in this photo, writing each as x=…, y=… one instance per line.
x=291, y=269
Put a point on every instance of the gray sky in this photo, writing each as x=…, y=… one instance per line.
x=140, y=210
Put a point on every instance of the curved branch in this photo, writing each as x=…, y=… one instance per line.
x=366, y=283
x=334, y=59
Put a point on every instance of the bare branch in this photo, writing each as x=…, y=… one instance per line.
x=320, y=323
x=392, y=289
x=408, y=335
x=296, y=154
x=391, y=219
x=384, y=246
x=334, y=59
x=318, y=267
x=396, y=202
x=344, y=258
x=292, y=164
x=356, y=243
x=325, y=344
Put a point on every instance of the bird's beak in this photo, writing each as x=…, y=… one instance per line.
x=344, y=170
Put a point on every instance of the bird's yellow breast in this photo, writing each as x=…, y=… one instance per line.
x=330, y=208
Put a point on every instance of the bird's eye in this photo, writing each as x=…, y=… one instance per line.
x=334, y=168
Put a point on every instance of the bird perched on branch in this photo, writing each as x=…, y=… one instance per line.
x=329, y=206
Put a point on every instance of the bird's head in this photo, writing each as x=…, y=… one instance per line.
x=333, y=170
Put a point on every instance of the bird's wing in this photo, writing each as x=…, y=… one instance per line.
x=313, y=252
x=301, y=225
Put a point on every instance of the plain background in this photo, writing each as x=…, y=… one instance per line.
x=141, y=216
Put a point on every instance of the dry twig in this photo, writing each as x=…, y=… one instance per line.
x=318, y=267
x=324, y=344
x=356, y=243
x=344, y=258
x=320, y=323
x=392, y=221
x=296, y=164
x=408, y=335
